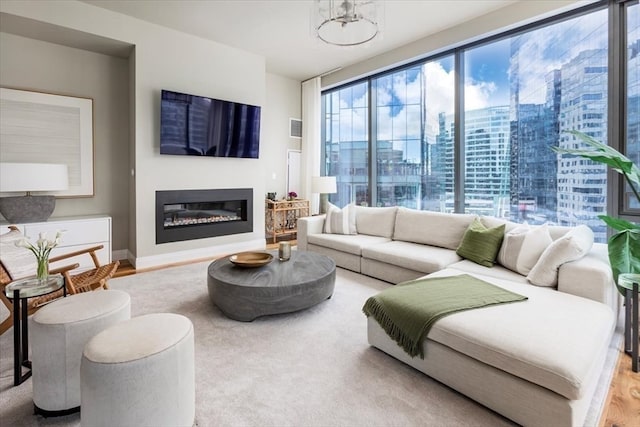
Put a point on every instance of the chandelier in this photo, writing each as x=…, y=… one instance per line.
x=347, y=22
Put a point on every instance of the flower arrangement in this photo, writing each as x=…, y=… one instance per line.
x=41, y=250
x=292, y=195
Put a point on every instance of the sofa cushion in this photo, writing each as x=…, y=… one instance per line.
x=522, y=247
x=345, y=243
x=553, y=339
x=497, y=271
x=481, y=244
x=431, y=228
x=375, y=221
x=572, y=246
x=340, y=221
x=491, y=222
x=423, y=258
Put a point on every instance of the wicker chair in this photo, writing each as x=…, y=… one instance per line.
x=75, y=282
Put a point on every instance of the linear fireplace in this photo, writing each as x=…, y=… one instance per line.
x=197, y=214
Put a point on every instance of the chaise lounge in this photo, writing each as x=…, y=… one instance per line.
x=536, y=362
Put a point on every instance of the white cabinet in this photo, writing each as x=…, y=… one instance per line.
x=78, y=233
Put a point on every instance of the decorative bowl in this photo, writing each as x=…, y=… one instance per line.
x=251, y=259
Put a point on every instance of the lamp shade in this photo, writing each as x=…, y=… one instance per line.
x=33, y=177
x=323, y=184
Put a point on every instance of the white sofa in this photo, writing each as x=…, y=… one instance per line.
x=536, y=362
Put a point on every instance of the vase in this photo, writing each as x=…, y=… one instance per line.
x=42, y=272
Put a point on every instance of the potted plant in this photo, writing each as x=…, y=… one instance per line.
x=624, y=246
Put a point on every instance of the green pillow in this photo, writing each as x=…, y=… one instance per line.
x=481, y=244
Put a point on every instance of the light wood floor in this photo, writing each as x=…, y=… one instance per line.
x=622, y=408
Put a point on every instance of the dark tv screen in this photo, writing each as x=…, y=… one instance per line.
x=199, y=126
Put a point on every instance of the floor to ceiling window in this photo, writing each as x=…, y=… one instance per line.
x=519, y=95
x=522, y=94
x=411, y=169
x=632, y=100
x=345, y=137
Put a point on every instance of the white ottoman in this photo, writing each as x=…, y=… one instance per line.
x=59, y=332
x=140, y=373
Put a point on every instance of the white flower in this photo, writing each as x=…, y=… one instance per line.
x=43, y=246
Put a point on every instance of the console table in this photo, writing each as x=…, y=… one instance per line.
x=281, y=216
x=80, y=232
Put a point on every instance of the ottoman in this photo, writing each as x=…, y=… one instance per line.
x=59, y=332
x=140, y=373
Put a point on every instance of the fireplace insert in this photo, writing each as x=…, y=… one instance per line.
x=198, y=214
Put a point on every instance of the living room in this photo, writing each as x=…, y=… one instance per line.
x=48, y=46
x=80, y=49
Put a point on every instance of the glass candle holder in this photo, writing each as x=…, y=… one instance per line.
x=284, y=251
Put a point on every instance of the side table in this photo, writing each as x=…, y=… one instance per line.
x=20, y=291
x=629, y=282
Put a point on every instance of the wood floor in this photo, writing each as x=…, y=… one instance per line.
x=622, y=408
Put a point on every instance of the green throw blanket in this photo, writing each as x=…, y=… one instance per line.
x=408, y=311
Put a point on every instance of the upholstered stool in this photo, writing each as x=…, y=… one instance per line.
x=59, y=332
x=140, y=373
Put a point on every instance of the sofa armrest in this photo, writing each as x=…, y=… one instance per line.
x=308, y=225
x=590, y=277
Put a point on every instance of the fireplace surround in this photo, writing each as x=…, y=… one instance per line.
x=198, y=214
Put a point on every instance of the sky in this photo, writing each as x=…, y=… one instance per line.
x=488, y=69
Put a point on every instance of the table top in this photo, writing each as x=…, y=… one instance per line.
x=626, y=280
x=34, y=287
x=303, y=267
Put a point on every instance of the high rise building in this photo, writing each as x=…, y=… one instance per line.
x=582, y=184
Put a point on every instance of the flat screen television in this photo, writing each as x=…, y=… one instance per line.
x=198, y=126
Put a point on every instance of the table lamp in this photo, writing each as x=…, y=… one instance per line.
x=28, y=177
x=323, y=185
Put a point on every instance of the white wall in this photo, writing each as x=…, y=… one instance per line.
x=45, y=67
x=283, y=102
x=167, y=59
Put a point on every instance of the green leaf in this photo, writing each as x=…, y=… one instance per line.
x=602, y=153
x=619, y=224
x=624, y=254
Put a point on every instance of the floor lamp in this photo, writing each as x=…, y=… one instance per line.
x=323, y=185
x=25, y=178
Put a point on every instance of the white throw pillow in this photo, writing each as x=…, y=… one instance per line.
x=570, y=247
x=340, y=221
x=523, y=246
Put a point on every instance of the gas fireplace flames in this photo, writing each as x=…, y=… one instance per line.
x=177, y=222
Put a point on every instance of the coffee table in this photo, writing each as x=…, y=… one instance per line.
x=279, y=287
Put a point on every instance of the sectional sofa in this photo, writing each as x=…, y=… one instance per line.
x=536, y=362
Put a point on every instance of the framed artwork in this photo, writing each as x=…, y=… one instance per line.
x=38, y=127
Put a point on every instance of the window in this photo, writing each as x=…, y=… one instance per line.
x=632, y=119
x=345, y=136
x=519, y=95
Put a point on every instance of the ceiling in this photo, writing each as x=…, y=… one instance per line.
x=280, y=30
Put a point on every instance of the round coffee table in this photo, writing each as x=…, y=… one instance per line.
x=244, y=293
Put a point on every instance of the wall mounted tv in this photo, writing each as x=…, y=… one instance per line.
x=198, y=126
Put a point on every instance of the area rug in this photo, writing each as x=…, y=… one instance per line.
x=309, y=368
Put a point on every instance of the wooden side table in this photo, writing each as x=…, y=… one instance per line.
x=281, y=217
x=20, y=291
x=630, y=282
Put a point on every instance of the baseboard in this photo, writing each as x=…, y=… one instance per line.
x=120, y=254
x=194, y=254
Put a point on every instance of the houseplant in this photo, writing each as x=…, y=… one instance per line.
x=624, y=245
